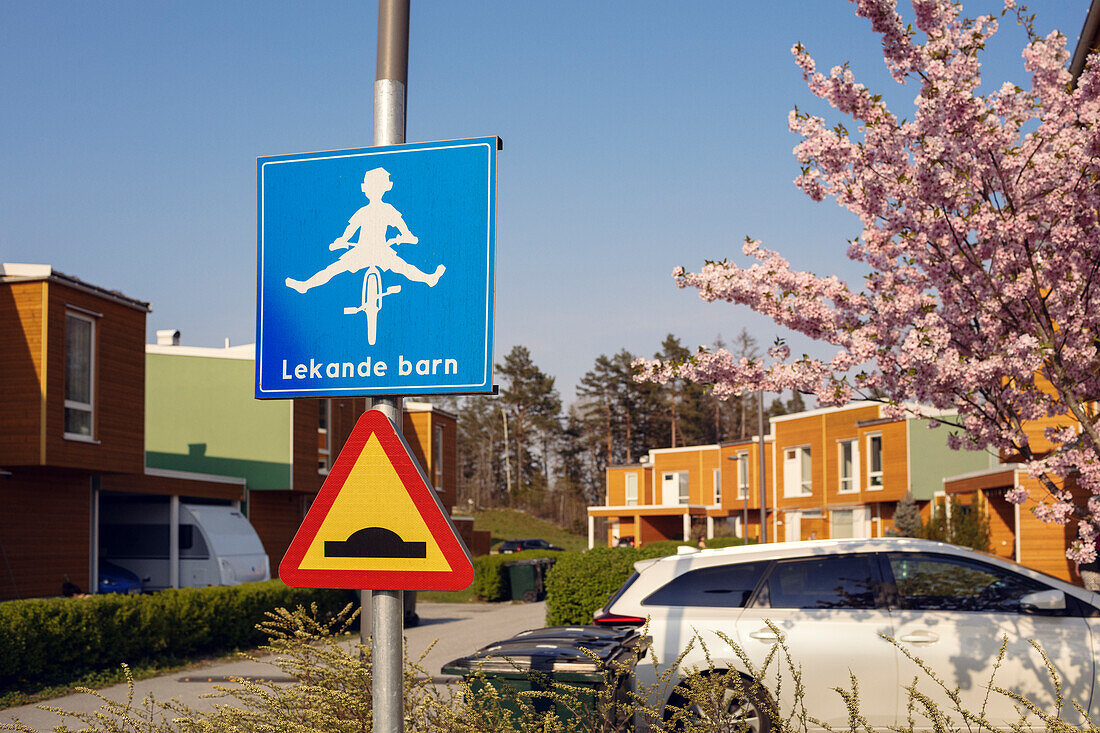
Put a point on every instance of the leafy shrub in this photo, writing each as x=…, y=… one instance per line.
x=968, y=526
x=491, y=577
x=580, y=583
x=334, y=695
x=55, y=640
x=716, y=542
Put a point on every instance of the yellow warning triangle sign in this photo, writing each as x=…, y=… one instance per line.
x=376, y=523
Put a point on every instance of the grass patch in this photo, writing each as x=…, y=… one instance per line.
x=510, y=524
x=447, y=596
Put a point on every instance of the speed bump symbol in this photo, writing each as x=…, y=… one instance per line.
x=375, y=542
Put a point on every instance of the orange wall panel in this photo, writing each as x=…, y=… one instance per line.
x=21, y=365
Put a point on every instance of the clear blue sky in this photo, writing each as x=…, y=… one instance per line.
x=637, y=136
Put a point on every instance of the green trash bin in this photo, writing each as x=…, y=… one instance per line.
x=527, y=578
x=589, y=660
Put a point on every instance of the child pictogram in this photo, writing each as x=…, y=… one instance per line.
x=371, y=250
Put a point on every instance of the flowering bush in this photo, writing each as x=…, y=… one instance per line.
x=981, y=236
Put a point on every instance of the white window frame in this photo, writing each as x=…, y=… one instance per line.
x=742, y=475
x=324, y=455
x=804, y=486
x=717, y=478
x=682, y=482
x=852, y=480
x=89, y=406
x=874, y=478
x=630, y=489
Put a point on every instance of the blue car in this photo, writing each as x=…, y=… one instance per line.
x=115, y=579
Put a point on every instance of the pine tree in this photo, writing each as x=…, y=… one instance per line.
x=907, y=519
x=533, y=408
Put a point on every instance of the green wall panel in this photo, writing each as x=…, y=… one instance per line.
x=930, y=460
x=201, y=416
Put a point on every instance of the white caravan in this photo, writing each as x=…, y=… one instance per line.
x=217, y=545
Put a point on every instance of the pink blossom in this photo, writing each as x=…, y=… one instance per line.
x=980, y=237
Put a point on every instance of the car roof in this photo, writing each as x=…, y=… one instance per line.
x=675, y=564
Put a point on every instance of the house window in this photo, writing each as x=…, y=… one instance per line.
x=849, y=466
x=674, y=487
x=324, y=436
x=797, y=472
x=79, y=376
x=874, y=461
x=742, y=476
x=631, y=489
x=717, y=487
x=437, y=456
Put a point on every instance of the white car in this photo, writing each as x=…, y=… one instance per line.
x=833, y=601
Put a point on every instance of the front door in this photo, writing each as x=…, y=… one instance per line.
x=954, y=615
x=792, y=526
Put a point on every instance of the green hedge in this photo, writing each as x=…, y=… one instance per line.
x=55, y=640
x=580, y=583
x=491, y=578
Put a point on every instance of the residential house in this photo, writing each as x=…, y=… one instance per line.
x=830, y=473
x=72, y=437
x=678, y=493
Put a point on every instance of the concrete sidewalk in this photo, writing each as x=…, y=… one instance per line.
x=460, y=628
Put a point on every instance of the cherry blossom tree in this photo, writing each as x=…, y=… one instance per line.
x=980, y=233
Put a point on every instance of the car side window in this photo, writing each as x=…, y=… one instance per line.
x=830, y=582
x=946, y=583
x=725, y=586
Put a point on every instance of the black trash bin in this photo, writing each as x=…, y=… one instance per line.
x=527, y=578
x=590, y=660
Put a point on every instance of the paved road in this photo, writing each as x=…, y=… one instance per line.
x=460, y=628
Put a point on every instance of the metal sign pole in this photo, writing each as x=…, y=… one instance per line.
x=387, y=606
x=761, y=472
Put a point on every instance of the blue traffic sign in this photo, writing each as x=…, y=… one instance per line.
x=375, y=270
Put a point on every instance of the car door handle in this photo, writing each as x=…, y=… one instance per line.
x=920, y=637
x=766, y=634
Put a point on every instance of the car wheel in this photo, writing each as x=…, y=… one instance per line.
x=741, y=710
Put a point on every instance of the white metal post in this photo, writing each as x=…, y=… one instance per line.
x=174, y=541
x=763, y=482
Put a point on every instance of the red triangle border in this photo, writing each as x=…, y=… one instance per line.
x=461, y=575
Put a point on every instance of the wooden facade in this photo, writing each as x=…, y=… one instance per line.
x=45, y=528
x=32, y=365
x=50, y=478
x=828, y=502
x=1015, y=532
